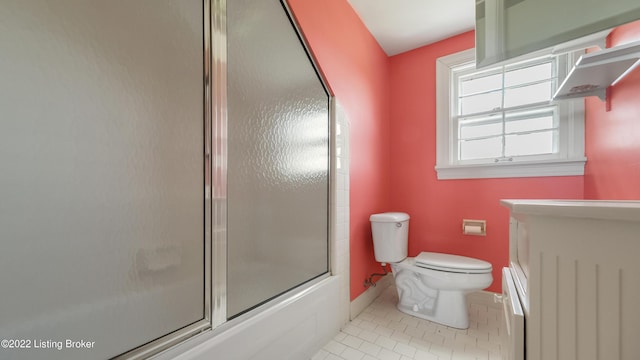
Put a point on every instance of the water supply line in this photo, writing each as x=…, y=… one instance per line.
x=369, y=282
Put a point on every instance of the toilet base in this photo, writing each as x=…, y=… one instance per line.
x=438, y=296
x=449, y=308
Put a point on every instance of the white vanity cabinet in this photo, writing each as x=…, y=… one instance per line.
x=576, y=266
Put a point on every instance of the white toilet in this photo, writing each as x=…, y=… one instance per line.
x=431, y=286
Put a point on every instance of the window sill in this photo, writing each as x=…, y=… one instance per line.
x=570, y=167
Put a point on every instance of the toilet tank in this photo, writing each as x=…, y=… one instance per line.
x=390, y=236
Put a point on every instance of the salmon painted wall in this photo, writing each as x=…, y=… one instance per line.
x=613, y=138
x=437, y=207
x=391, y=106
x=357, y=71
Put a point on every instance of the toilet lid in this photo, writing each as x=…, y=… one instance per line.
x=452, y=263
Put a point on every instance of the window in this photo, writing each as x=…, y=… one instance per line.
x=501, y=122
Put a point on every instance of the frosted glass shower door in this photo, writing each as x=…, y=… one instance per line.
x=102, y=194
x=278, y=157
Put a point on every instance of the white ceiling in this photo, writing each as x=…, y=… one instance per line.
x=402, y=25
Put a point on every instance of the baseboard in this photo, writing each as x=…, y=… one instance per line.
x=484, y=298
x=366, y=298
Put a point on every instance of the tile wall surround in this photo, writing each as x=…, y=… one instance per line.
x=340, y=243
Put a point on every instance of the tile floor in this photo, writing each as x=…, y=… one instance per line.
x=382, y=332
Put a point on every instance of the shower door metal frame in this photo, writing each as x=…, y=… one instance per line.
x=218, y=161
x=218, y=146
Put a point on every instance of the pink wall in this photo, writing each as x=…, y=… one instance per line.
x=437, y=207
x=613, y=138
x=357, y=71
x=391, y=106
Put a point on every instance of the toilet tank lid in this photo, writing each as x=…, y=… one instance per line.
x=389, y=217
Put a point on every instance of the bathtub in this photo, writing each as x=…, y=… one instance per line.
x=293, y=326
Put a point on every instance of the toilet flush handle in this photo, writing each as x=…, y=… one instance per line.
x=398, y=224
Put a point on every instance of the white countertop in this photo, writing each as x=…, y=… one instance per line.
x=624, y=210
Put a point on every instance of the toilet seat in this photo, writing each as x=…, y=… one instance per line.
x=452, y=263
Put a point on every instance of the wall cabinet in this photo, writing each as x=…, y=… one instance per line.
x=506, y=29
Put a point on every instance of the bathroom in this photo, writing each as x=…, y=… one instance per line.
x=401, y=132
x=390, y=106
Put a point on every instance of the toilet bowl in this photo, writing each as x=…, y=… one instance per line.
x=431, y=286
x=438, y=294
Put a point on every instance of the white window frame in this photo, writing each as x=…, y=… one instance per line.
x=569, y=160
